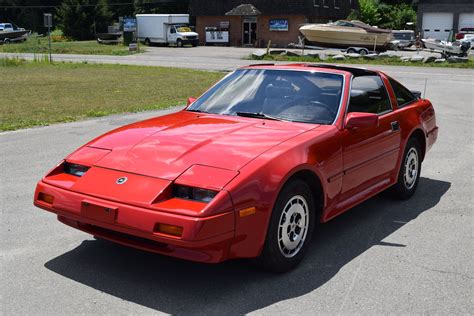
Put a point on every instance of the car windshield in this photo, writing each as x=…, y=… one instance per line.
x=296, y=96
x=182, y=28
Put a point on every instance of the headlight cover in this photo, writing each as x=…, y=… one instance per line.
x=75, y=169
x=192, y=193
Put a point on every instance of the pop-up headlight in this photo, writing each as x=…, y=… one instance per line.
x=191, y=193
x=75, y=169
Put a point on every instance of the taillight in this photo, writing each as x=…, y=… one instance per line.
x=460, y=36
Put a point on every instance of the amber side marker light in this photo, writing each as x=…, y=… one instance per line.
x=247, y=211
x=169, y=229
x=47, y=198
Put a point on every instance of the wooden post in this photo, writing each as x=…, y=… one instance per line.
x=268, y=47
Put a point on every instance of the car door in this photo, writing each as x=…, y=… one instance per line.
x=172, y=34
x=370, y=154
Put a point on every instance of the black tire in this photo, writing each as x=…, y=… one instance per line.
x=407, y=183
x=179, y=43
x=272, y=257
x=350, y=51
x=147, y=42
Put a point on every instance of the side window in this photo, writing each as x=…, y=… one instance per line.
x=404, y=96
x=368, y=94
x=172, y=30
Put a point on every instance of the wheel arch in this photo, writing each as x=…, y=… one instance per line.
x=419, y=135
x=314, y=182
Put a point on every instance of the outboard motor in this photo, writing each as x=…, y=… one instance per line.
x=465, y=48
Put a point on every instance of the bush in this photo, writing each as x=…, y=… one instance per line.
x=58, y=36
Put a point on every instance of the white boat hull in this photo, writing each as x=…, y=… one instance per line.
x=341, y=36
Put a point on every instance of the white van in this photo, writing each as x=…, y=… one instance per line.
x=166, y=29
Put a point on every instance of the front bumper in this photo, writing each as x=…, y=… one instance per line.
x=204, y=239
x=190, y=41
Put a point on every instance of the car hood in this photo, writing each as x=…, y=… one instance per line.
x=167, y=146
x=188, y=33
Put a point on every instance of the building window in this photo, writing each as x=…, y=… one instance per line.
x=337, y=4
x=317, y=3
x=325, y=3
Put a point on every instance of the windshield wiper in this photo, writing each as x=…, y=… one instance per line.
x=198, y=111
x=259, y=115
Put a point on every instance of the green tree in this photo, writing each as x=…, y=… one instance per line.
x=81, y=19
x=368, y=12
x=27, y=13
x=145, y=6
x=389, y=16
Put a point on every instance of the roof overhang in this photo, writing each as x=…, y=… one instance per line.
x=244, y=10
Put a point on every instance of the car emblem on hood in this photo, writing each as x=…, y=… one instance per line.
x=121, y=180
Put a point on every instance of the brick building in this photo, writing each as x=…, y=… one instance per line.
x=255, y=22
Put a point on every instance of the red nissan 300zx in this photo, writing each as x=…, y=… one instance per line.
x=250, y=168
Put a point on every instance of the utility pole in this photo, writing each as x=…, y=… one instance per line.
x=48, y=22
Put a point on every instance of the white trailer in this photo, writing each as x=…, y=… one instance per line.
x=166, y=29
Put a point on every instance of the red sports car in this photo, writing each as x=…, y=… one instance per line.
x=249, y=169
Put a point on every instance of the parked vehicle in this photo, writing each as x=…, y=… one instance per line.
x=447, y=49
x=11, y=33
x=468, y=38
x=250, y=168
x=403, y=39
x=344, y=34
x=109, y=38
x=464, y=31
x=166, y=29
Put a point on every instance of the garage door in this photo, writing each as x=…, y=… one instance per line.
x=466, y=20
x=437, y=25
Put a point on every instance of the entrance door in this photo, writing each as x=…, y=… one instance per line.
x=249, y=32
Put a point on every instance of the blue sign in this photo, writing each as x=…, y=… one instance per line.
x=279, y=25
x=129, y=24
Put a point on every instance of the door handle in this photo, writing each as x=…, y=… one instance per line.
x=395, y=126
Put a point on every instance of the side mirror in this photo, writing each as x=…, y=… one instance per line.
x=190, y=101
x=361, y=120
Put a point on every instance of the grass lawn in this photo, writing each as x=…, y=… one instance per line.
x=35, y=94
x=380, y=61
x=39, y=45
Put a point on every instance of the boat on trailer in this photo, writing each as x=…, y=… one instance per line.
x=345, y=34
x=446, y=49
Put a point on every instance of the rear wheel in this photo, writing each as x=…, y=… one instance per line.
x=350, y=51
x=290, y=229
x=409, y=174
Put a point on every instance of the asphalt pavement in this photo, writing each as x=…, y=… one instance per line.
x=384, y=256
x=201, y=57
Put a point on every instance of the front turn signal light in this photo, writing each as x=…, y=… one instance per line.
x=47, y=198
x=169, y=229
x=247, y=211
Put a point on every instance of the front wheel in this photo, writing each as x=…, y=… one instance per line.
x=290, y=229
x=179, y=43
x=410, y=169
